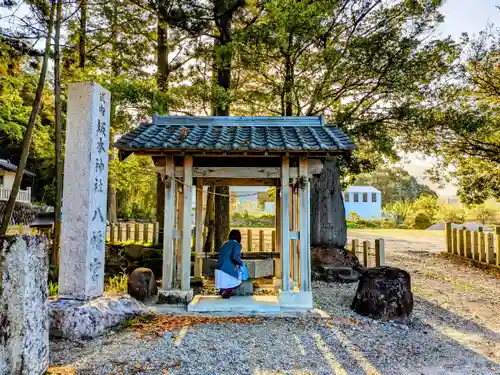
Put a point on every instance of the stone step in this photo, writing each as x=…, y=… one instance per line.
x=236, y=304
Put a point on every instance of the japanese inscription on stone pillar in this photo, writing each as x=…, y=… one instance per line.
x=85, y=192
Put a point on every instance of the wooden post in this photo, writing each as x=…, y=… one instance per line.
x=278, y=270
x=156, y=232
x=179, y=225
x=461, y=246
x=468, y=244
x=475, y=245
x=137, y=237
x=273, y=240
x=366, y=249
x=186, y=225
x=261, y=240
x=354, y=246
x=497, y=235
x=168, y=225
x=145, y=233
x=379, y=252
x=304, y=219
x=447, y=231
x=454, y=240
x=285, y=223
x=199, y=228
x=120, y=232
x=128, y=235
x=111, y=233
x=490, y=249
x=482, y=247
x=249, y=240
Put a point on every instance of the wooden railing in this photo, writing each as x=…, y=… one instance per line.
x=483, y=247
x=23, y=195
x=368, y=254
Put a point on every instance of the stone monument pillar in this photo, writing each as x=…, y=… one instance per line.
x=83, y=236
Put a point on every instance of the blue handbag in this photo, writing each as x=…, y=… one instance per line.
x=243, y=273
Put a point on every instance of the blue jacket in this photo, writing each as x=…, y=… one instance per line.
x=229, y=258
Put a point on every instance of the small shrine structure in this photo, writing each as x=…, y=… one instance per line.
x=192, y=151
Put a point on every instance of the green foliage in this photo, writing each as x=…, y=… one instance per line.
x=354, y=216
x=419, y=220
x=484, y=213
x=398, y=211
x=451, y=213
x=117, y=284
x=53, y=289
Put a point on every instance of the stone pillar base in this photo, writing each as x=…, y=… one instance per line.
x=83, y=320
x=175, y=296
x=296, y=300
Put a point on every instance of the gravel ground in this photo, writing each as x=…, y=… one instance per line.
x=455, y=330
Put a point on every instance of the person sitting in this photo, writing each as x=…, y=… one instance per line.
x=226, y=271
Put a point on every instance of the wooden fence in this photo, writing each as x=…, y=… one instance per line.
x=483, y=247
x=368, y=254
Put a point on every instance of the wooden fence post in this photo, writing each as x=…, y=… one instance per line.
x=137, y=232
x=273, y=240
x=128, y=232
x=482, y=247
x=379, y=252
x=447, y=231
x=490, y=249
x=354, y=246
x=145, y=233
x=497, y=235
x=366, y=249
x=461, y=246
x=468, y=244
x=261, y=240
x=475, y=245
x=120, y=232
x=156, y=233
x=454, y=240
x=249, y=240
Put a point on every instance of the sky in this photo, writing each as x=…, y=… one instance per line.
x=469, y=16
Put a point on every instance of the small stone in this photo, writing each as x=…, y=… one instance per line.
x=142, y=284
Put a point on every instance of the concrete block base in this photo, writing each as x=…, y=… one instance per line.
x=237, y=304
x=245, y=289
x=175, y=296
x=83, y=320
x=296, y=300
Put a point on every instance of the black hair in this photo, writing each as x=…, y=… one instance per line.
x=235, y=235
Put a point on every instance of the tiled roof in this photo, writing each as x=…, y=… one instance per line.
x=236, y=134
x=8, y=166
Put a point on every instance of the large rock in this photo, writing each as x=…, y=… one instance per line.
x=334, y=265
x=82, y=320
x=384, y=293
x=142, y=284
x=24, y=323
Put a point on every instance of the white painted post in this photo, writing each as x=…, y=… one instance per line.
x=186, y=224
x=304, y=224
x=285, y=223
x=169, y=225
x=81, y=272
x=199, y=227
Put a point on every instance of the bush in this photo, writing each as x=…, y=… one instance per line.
x=484, y=213
x=451, y=213
x=421, y=220
x=354, y=216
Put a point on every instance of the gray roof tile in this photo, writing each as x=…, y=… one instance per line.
x=236, y=134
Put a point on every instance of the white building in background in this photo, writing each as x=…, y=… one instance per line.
x=366, y=201
x=7, y=176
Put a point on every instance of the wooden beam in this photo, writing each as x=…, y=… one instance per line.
x=199, y=226
x=314, y=167
x=169, y=226
x=239, y=181
x=186, y=224
x=285, y=222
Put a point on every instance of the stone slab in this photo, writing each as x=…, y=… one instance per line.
x=24, y=324
x=245, y=289
x=296, y=300
x=175, y=296
x=236, y=304
x=79, y=320
x=257, y=268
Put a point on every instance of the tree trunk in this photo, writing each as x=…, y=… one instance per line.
x=82, y=34
x=221, y=216
x=288, y=87
x=29, y=128
x=327, y=208
x=59, y=162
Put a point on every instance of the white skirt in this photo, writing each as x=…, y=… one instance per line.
x=225, y=281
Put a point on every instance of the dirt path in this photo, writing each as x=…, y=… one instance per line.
x=461, y=301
